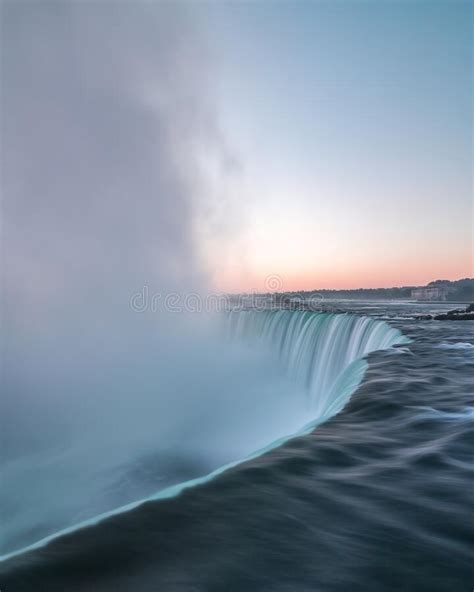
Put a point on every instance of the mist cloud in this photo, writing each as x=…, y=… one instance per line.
x=108, y=121
x=111, y=150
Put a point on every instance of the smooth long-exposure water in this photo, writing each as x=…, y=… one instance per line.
x=377, y=497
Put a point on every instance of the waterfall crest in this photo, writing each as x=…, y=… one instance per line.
x=322, y=351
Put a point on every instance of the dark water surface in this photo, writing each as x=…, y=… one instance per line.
x=380, y=497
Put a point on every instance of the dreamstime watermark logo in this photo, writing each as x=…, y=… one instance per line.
x=273, y=283
x=272, y=297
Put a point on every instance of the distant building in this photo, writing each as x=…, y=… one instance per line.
x=430, y=293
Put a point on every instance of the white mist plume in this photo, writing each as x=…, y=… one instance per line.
x=109, y=138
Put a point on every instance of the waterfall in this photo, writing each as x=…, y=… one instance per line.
x=322, y=351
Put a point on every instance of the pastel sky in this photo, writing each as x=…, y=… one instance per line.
x=209, y=145
x=352, y=125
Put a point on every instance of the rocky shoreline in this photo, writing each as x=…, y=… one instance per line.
x=458, y=314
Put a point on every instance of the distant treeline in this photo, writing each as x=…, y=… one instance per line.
x=458, y=291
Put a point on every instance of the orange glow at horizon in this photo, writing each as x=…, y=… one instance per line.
x=342, y=278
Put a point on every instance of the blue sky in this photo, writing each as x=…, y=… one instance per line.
x=352, y=122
